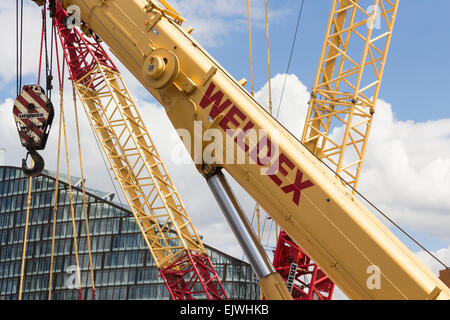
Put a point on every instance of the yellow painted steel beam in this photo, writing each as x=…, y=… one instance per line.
x=167, y=9
x=342, y=236
x=347, y=83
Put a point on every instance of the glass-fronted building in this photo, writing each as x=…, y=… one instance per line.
x=123, y=265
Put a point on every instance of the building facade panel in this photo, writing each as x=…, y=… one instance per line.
x=123, y=266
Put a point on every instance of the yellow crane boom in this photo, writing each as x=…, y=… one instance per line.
x=296, y=189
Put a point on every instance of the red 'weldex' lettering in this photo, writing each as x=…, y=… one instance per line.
x=232, y=117
x=297, y=187
x=255, y=153
x=240, y=137
x=217, y=99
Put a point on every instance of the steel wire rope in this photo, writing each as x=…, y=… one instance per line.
x=55, y=204
x=83, y=188
x=72, y=211
x=41, y=48
x=25, y=238
x=269, y=82
x=47, y=63
x=55, y=210
x=19, y=45
x=88, y=238
x=81, y=163
x=290, y=57
x=66, y=147
x=256, y=210
x=19, y=60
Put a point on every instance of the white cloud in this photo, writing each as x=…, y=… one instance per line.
x=442, y=254
x=213, y=20
x=407, y=170
x=294, y=103
x=32, y=24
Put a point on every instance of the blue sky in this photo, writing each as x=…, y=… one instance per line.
x=416, y=76
x=417, y=73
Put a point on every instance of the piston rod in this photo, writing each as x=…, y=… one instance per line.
x=253, y=250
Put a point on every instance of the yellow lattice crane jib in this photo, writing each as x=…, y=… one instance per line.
x=347, y=83
x=166, y=227
x=342, y=104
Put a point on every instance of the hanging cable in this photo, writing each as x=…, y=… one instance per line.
x=268, y=76
x=84, y=192
x=268, y=57
x=82, y=173
x=19, y=54
x=25, y=237
x=74, y=229
x=376, y=208
x=19, y=45
x=48, y=64
x=250, y=48
x=49, y=83
x=257, y=209
x=55, y=210
x=41, y=48
x=290, y=57
x=66, y=147
x=55, y=205
x=44, y=22
x=63, y=126
x=270, y=96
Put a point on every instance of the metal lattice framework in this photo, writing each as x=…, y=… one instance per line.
x=340, y=114
x=176, y=247
x=347, y=83
x=309, y=282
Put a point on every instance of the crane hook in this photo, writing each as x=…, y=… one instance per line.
x=38, y=165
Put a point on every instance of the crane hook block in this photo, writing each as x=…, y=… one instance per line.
x=38, y=164
x=33, y=114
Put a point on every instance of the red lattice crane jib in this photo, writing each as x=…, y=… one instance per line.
x=304, y=278
x=191, y=275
